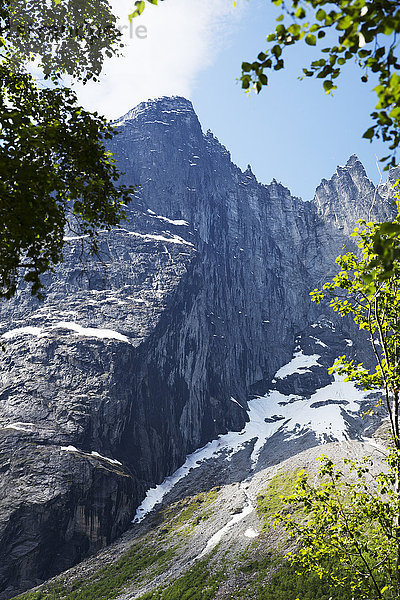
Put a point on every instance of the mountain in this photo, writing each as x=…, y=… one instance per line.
x=192, y=324
x=210, y=542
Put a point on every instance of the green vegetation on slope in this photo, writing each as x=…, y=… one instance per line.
x=286, y=584
x=198, y=583
x=108, y=582
x=269, y=500
x=266, y=575
x=257, y=573
x=144, y=560
x=183, y=516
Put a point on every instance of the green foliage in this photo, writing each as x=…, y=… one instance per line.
x=108, y=582
x=288, y=584
x=367, y=288
x=364, y=32
x=349, y=533
x=355, y=527
x=271, y=577
x=257, y=565
x=183, y=516
x=269, y=500
x=198, y=583
x=61, y=36
x=54, y=169
x=140, y=5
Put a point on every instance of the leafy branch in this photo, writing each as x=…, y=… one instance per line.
x=362, y=30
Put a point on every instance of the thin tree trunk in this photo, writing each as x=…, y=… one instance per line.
x=397, y=519
x=397, y=523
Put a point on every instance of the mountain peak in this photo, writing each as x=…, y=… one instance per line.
x=163, y=104
x=352, y=167
x=353, y=161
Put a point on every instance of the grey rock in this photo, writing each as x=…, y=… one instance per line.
x=134, y=356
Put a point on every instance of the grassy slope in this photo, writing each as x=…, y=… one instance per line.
x=257, y=572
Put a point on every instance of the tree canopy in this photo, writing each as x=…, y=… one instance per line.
x=53, y=167
x=53, y=163
x=349, y=526
x=61, y=36
x=346, y=522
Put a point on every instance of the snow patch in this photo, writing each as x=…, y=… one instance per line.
x=269, y=414
x=152, y=237
x=179, y=222
x=160, y=122
x=319, y=342
x=322, y=414
x=69, y=449
x=155, y=495
x=78, y=329
x=326, y=419
x=251, y=533
x=299, y=364
x=20, y=427
x=70, y=238
x=92, y=331
x=93, y=454
x=216, y=538
x=236, y=402
x=22, y=331
x=133, y=299
x=110, y=460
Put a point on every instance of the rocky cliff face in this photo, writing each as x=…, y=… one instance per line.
x=133, y=359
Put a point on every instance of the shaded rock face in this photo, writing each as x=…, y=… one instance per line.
x=130, y=362
x=60, y=507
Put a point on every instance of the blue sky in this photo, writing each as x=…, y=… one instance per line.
x=292, y=131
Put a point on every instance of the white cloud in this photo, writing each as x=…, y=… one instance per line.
x=183, y=38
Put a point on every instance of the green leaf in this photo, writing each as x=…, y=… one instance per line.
x=300, y=13
x=389, y=228
x=140, y=6
x=311, y=40
x=276, y=50
x=369, y=134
